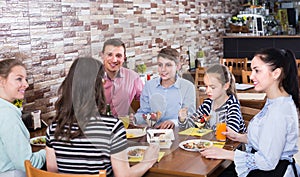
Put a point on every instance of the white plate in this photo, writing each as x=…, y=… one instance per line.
x=135, y=133
x=37, y=138
x=207, y=144
x=136, y=148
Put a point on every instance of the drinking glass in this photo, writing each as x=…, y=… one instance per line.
x=125, y=120
x=221, y=118
x=221, y=127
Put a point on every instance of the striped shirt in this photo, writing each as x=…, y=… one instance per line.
x=231, y=108
x=89, y=154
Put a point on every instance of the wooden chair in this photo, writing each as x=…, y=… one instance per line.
x=248, y=113
x=134, y=106
x=230, y=69
x=35, y=172
x=246, y=77
x=199, y=81
x=199, y=75
x=238, y=64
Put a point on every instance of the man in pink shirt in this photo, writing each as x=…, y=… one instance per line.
x=122, y=85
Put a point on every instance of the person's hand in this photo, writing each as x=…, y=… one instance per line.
x=231, y=134
x=217, y=153
x=234, y=136
x=183, y=114
x=154, y=116
x=132, y=119
x=166, y=125
x=151, y=153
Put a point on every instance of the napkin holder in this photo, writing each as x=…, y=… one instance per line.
x=162, y=136
x=36, y=117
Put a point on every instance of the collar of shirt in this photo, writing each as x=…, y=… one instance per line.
x=120, y=74
x=176, y=84
x=4, y=102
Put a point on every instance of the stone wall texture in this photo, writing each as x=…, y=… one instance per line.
x=49, y=34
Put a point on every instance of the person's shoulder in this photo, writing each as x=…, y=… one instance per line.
x=7, y=110
x=232, y=99
x=207, y=101
x=185, y=82
x=284, y=103
x=152, y=83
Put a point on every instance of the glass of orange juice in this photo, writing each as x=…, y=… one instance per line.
x=221, y=117
x=221, y=127
x=125, y=120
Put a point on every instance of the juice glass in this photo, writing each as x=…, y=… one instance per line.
x=221, y=127
x=125, y=120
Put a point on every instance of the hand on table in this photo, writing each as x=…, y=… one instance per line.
x=217, y=153
x=166, y=125
x=151, y=153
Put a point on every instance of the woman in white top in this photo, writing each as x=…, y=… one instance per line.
x=272, y=135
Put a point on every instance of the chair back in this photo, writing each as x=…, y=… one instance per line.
x=246, y=77
x=238, y=64
x=134, y=106
x=199, y=81
x=248, y=113
x=35, y=172
x=199, y=77
x=230, y=68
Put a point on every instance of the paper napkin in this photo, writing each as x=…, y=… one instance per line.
x=138, y=159
x=219, y=144
x=195, y=132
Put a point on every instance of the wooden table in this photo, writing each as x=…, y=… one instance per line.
x=178, y=162
x=259, y=104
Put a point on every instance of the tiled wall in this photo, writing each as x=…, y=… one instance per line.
x=50, y=34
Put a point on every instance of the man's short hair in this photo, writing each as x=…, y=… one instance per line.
x=114, y=42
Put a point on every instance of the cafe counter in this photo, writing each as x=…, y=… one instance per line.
x=240, y=46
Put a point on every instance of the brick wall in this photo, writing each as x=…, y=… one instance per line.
x=50, y=34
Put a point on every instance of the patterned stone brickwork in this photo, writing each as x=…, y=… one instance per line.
x=51, y=34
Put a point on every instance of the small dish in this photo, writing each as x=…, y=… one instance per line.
x=135, y=133
x=38, y=141
x=136, y=151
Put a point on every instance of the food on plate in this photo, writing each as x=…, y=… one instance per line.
x=39, y=140
x=129, y=135
x=135, y=133
x=196, y=145
x=138, y=152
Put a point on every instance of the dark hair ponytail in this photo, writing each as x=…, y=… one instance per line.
x=284, y=59
x=290, y=81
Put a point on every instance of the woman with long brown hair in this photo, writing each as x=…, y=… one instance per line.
x=81, y=140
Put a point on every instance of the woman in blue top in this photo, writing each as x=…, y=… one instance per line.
x=272, y=135
x=221, y=92
x=168, y=93
x=14, y=136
